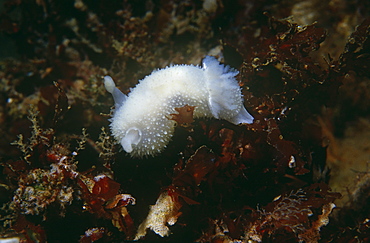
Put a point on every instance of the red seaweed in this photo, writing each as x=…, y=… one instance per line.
x=215, y=182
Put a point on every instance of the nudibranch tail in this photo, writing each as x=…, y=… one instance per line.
x=242, y=117
x=118, y=96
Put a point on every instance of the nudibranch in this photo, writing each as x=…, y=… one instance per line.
x=140, y=120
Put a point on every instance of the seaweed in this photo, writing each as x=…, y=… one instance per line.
x=64, y=178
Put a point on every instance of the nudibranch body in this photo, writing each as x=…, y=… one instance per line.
x=141, y=121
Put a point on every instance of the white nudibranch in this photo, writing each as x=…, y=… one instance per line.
x=140, y=120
